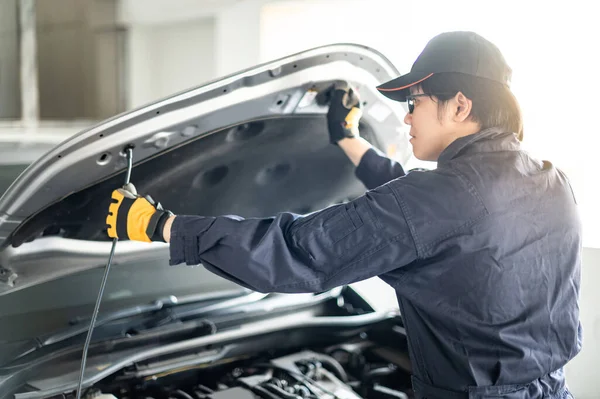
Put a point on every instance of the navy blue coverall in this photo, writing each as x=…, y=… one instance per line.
x=483, y=252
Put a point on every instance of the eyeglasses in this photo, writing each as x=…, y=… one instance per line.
x=410, y=99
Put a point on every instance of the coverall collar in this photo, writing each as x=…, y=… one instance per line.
x=487, y=140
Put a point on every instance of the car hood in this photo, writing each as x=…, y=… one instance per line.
x=252, y=144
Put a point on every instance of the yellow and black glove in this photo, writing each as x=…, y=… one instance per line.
x=344, y=113
x=131, y=216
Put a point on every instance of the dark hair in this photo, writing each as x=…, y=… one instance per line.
x=494, y=105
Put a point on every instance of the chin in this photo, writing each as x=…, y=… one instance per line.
x=421, y=157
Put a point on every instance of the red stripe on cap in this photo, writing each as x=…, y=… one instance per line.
x=404, y=87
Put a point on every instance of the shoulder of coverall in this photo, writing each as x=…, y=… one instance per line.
x=436, y=204
x=443, y=203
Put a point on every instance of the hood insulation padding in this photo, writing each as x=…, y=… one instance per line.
x=253, y=170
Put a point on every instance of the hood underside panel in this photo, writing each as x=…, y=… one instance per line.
x=252, y=170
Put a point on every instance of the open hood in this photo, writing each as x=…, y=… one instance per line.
x=252, y=144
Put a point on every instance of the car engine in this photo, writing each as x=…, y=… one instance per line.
x=359, y=369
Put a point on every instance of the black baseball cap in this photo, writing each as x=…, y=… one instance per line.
x=461, y=52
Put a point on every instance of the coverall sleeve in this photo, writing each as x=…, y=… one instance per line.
x=289, y=253
x=376, y=169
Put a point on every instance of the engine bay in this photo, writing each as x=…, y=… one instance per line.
x=355, y=369
x=327, y=345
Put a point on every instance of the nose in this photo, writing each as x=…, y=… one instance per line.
x=408, y=118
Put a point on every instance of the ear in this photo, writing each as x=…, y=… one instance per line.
x=462, y=107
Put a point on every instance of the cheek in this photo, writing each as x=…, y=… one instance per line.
x=426, y=129
x=422, y=124
x=445, y=117
x=428, y=120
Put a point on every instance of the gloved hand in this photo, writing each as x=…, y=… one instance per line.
x=135, y=217
x=344, y=113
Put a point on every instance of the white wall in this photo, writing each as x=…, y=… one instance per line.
x=176, y=46
x=294, y=25
x=584, y=370
x=166, y=59
x=238, y=36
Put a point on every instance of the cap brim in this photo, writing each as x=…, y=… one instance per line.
x=397, y=89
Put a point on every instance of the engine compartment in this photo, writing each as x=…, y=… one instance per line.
x=331, y=344
x=358, y=368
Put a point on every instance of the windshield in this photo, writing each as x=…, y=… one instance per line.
x=49, y=307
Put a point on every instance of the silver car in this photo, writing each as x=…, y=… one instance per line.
x=251, y=144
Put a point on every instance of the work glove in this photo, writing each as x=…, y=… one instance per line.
x=344, y=113
x=135, y=217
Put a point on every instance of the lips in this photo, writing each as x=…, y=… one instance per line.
x=412, y=139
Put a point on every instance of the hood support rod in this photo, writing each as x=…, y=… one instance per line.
x=88, y=338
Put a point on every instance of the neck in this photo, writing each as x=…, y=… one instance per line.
x=466, y=130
